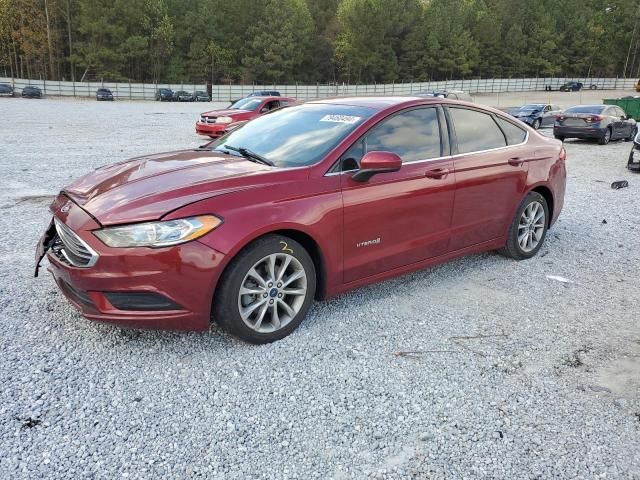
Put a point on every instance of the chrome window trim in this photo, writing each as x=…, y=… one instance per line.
x=94, y=255
x=526, y=139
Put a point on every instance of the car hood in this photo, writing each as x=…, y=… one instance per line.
x=146, y=188
x=524, y=113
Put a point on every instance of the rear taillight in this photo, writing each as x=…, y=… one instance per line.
x=559, y=118
x=563, y=154
x=593, y=119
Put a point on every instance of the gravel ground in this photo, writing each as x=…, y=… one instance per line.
x=514, y=375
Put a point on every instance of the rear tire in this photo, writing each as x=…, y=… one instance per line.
x=559, y=137
x=528, y=229
x=606, y=138
x=266, y=291
x=634, y=132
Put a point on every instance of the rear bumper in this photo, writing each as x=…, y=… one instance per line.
x=161, y=288
x=579, y=132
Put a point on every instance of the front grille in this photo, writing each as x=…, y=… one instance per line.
x=205, y=119
x=72, y=248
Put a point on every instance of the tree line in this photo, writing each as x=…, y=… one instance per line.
x=326, y=41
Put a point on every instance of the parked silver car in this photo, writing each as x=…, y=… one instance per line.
x=536, y=114
x=600, y=122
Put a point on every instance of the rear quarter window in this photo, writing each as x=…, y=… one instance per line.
x=513, y=133
x=475, y=131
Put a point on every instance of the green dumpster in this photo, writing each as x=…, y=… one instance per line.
x=630, y=105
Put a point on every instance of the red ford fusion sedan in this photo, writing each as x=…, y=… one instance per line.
x=218, y=122
x=301, y=204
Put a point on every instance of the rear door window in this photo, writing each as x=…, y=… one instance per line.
x=514, y=134
x=476, y=131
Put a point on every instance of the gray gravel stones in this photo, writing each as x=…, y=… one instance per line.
x=85, y=400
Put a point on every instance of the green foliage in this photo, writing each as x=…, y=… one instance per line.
x=282, y=41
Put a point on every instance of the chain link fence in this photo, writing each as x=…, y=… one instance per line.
x=221, y=92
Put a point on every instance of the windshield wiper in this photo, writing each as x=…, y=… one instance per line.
x=249, y=155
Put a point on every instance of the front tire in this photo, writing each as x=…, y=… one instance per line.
x=537, y=123
x=266, y=291
x=528, y=228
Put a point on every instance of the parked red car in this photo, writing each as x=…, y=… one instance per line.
x=218, y=122
x=303, y=203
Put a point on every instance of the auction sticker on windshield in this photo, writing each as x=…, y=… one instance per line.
x=340, y=119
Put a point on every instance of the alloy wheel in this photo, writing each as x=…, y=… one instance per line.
x=272, y=292
x=531, y=226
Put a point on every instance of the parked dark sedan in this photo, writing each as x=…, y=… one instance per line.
x=31, y=91
x=182, y=96
x=601, y=122
x=536, y=114
x=634, y=156
x=6, y=90
x=200, y=96
x=164, y=95
x=571, y=87
x=104, y=94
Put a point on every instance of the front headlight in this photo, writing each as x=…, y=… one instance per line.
x=224, y=120
x=158, y=234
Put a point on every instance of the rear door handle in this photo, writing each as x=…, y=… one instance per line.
x=516, y=161
x=437, y=173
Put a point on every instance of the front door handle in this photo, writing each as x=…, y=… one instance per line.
x=437, y=173
x=516, y=161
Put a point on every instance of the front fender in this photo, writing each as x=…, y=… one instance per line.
x=313, y=208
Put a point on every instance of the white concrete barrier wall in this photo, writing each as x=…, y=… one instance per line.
x=142, y=91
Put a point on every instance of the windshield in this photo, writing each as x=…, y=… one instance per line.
x=585, y=109
x=296, y=136
x=246, y=104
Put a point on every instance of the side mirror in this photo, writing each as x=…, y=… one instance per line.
x=377, y=162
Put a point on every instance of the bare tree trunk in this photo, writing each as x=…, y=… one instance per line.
x=49, y=40
x=72, y=66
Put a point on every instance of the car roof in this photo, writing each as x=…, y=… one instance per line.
x=589, y=106
x=378, y=103
x=268, y=97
